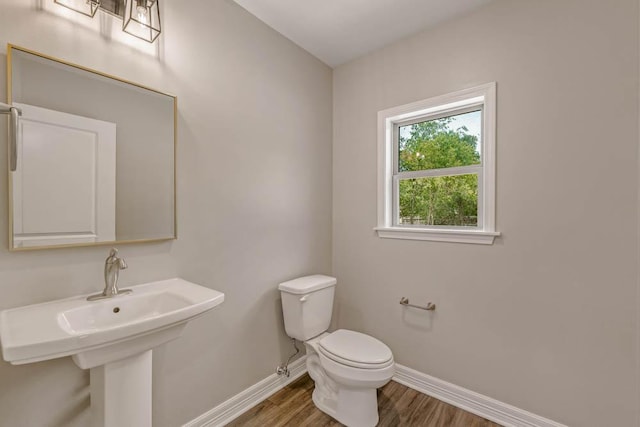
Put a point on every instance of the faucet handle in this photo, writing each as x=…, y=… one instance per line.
x=123, y=265
x=113, y=252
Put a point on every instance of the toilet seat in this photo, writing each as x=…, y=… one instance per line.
x=356, y=350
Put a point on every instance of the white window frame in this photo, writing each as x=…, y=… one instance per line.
x=481, y=97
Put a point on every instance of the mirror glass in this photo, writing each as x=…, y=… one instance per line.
x=95, y=156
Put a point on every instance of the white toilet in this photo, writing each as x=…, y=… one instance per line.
x=346, y=366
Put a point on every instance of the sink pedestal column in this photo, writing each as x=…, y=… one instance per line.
x=121, y=392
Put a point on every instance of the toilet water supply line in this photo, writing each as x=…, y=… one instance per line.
x=284, y=370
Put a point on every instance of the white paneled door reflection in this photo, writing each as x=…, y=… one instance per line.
x=64, y=188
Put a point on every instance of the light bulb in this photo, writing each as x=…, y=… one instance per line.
x=142, y=11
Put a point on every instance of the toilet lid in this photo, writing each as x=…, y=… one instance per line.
x=355, y=349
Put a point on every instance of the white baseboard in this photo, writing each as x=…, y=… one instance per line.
x=483, y=406
x=478, y=404
x=240, y=403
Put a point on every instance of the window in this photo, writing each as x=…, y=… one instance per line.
x=436, y=174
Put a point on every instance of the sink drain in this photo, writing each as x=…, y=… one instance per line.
x=116, y=310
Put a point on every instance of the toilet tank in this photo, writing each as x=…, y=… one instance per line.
x=307, y=305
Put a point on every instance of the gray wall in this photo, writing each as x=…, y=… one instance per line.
x=546, y=318
x=254, y=204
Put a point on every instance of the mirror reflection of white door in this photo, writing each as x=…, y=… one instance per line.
x=64, y=188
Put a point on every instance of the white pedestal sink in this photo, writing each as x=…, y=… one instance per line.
x=112, y=337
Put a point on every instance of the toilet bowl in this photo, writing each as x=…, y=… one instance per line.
x=346, y=366
x=355, y=359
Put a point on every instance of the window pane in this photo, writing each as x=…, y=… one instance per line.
x=441, y=143
x=440, y=200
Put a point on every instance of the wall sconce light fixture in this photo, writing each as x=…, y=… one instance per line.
x=85, y=7
x=140, y=18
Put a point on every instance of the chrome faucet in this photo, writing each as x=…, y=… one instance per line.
x=112, y=266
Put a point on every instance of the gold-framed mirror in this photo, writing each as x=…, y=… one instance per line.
x=95, y=156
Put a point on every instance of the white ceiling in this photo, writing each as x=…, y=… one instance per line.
x=337, y=31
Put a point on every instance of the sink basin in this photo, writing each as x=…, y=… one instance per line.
x=98, y=332
x=120, y=312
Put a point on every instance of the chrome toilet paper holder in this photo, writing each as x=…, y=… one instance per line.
x=429, y=307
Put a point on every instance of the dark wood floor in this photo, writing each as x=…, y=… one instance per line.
x=398, y=406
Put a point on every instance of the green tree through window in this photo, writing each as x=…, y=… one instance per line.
x=438, y=200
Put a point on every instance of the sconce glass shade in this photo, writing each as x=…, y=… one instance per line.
x=142, y=19
x=85, y=7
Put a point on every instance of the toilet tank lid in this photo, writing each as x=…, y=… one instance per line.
x=304, y=285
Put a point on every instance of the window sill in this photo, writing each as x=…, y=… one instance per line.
x=454, y=236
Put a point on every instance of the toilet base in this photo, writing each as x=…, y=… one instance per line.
x=353, y=407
